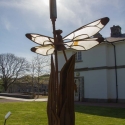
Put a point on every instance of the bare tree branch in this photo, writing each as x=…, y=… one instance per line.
x=40, y=65
x=11, y=67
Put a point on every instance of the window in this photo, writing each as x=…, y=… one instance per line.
x=78, y=56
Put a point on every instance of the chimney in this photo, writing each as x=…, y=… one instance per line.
x=116, y=31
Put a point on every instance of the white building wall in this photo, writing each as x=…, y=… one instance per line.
x=95, y=84
x=95, y=81
x=101, y=84
x=120, y=56
x=121, y=83
x=110, y=55
x=94, y=57
x=120, y=61
x=111, y=77
x=111, y=84
x=120, y=53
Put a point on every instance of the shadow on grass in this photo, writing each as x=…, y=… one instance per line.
x=101, y=111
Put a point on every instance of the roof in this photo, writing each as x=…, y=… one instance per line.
x=115, y=39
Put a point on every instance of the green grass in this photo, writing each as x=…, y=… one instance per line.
x=24, y=113
x=90, y=115
x=34, y=113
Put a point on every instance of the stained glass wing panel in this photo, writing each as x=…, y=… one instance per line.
x=83, y=44
x=40, y=39
x=43, y=50
x=88, y=30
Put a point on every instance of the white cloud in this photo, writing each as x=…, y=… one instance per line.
x=76, y=13
x=7, y=25
x=39, y=7
x=34, y=14
x=71, y=14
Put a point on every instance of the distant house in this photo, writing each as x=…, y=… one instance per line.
x=28, y=87
x=100, y=71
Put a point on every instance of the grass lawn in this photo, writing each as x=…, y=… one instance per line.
x=91, y=115
x=34, y=113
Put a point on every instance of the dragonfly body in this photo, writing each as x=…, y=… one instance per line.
x=58, y=43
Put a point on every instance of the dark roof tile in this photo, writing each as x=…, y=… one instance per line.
x=115, y=39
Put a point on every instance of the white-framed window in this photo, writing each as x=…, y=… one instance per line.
x=78, y=56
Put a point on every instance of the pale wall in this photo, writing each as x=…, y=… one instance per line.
x=101, y=84
x=95, y=84
x=94, y=57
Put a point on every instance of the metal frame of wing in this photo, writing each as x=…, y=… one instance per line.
x=33, y=38
x=43, y=50
x=88, y=42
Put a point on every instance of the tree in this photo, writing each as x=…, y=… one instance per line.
x=11, y=67
x=40, y=65
x=1, y=87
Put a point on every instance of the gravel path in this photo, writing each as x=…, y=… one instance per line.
x=4, y=99
x=118, y=105
x=8, y=100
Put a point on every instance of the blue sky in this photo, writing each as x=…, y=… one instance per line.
x=18, y=17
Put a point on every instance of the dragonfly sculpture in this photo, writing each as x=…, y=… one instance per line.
x=60, y=106
x=80, y=39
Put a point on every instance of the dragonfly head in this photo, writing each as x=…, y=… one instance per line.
x=58, y=32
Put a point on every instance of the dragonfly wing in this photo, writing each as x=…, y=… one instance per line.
x=40, y=39
x=84, y=44
x=88, y=30
x=43, y=50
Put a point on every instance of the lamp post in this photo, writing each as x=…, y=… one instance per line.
x=7, y=116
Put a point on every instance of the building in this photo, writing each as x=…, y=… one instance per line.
x=100, y=71
x=29, y=88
